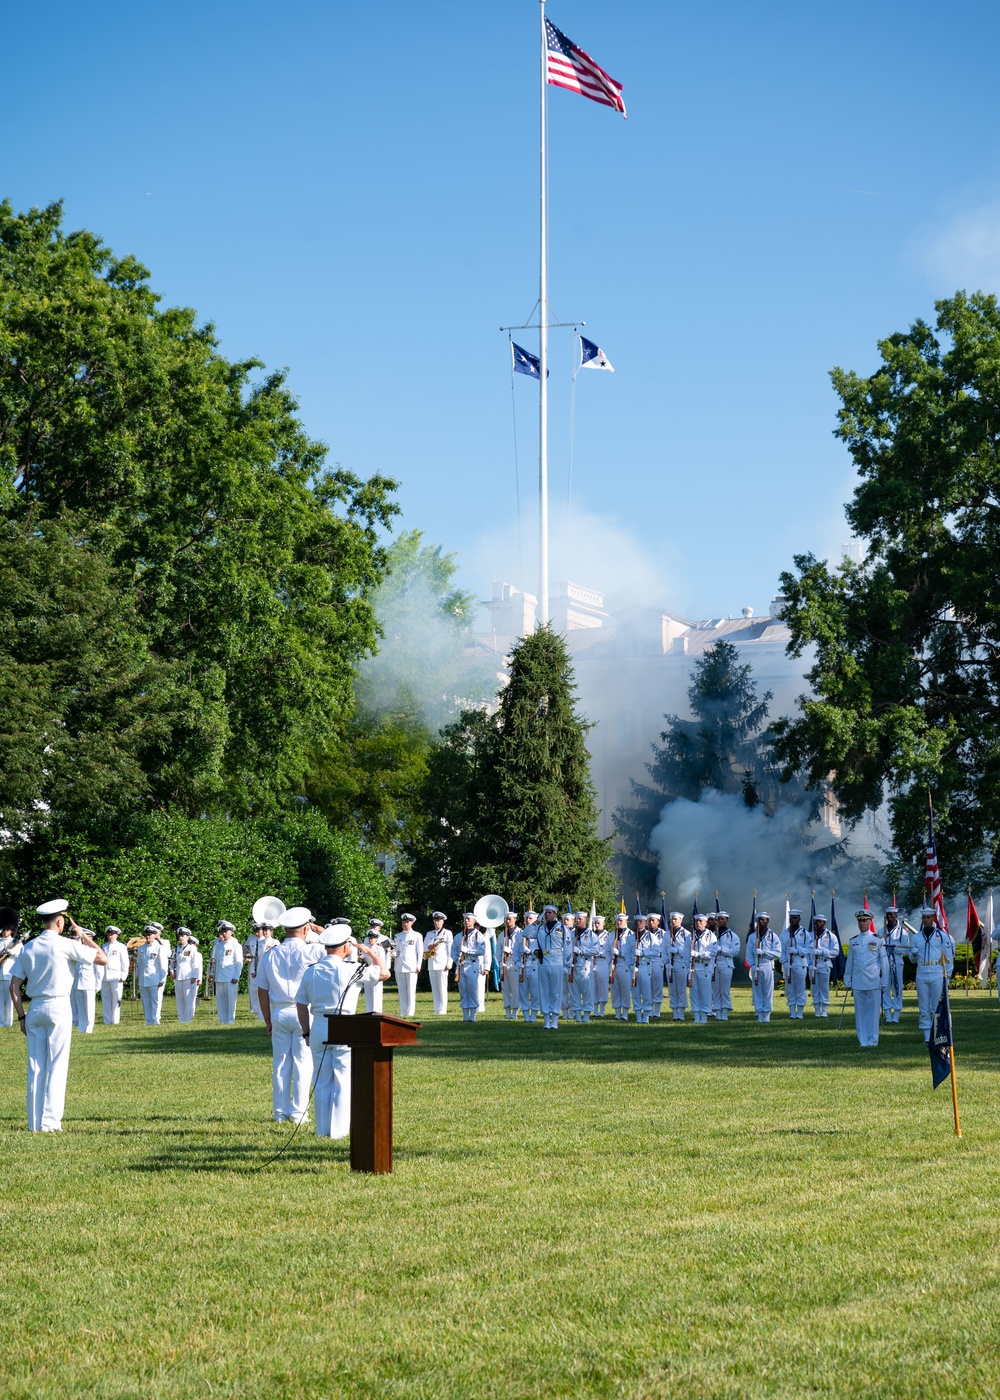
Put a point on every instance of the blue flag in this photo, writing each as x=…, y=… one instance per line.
x=663, y=909
x=524, y=362
x=694, y=911
x=840, y=962
x=638, y=906
x=812, y=914
x=941, y=1042
x=593, y=357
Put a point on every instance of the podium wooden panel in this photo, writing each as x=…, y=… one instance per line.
x=372, y=1038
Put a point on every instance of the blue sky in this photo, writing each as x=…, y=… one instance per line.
x=353, y=193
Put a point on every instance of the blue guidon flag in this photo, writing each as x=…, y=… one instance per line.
x=525, y=362
x=567, y=66
x=940, y=1042
x=593, y=357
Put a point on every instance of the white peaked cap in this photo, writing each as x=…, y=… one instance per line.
x=295, y=917
x=51, y=907
x=335, y=935
x=113, y=928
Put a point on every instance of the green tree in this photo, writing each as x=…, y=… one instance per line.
x=245, y=566
x=724, y=747
x=906, y=679
x=511, y=805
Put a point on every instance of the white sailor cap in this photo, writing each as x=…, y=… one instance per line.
x=722, y=914
x=546, y=908
x=702, y=917
x=438, y=915
x=676, y=914
x=531, y=911
x=927, y=910
x=407, y=919
x=52, y=907
x=225, y=924
x=795, y=911
x=335, y=935
x=654, y=914
x=183, y=929
x=295, y=917
x=112, y=928
x=622, y=915
x=643, y=917
x=819, y=918
x=763, y=914
x=891, y=909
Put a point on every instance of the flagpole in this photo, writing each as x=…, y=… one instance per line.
x=543, y=351
x=951, y=1049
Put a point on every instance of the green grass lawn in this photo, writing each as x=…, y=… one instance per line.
x=633, y=1211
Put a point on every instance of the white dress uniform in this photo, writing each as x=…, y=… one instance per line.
x=897, y=946
x=280, y=973
x=437, y=951
x=825, y=952
x=11, y=945
x=114, y=978
x=763, y=951
x=866, y=974
x=797, y=951
x=187, y=968
x=926, y=952
x=46, y=966
x=676, y=953
x=602, y=970
x=85, y=984
x=470, y=952
x=374, y=990
x=253, y=950
x=703, y=953
x=657, y=970
x=226, y=968
x=722, y=979
x=526, y=959
x=552, y=942
x=642, y=975
x=408, y=955
x=325, y=986
x=506, y=938
x=569, y=940
x=582, y=986
x=152, y=961
x=622, y=965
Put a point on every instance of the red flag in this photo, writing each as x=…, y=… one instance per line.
x=974, y=931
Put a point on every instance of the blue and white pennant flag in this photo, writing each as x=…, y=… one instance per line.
x=593, y=357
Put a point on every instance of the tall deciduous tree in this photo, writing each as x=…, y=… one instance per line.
x=906, y=680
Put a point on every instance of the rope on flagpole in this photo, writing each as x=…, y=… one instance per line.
x=517, y=473
x=572, y=440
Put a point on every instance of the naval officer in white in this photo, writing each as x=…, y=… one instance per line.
x=115, y=975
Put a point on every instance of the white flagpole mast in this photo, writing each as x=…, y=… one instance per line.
x=543, y=359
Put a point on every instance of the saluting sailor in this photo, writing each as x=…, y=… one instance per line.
x=508, y=967
x=622, y=965
x=470, y=952
x=602, y=966
x=704, y=952
x=408, y=955
x=279, y=978
x=931, y=952
x=526, y=959
x=797, y=951
x=186, y=968
x=866, y=974
x=897, y=945
x=226, y=965
x=152, y=962
x=437, y=954
x=825, y=952
x=763, y=951
x=676, y=952
x=722, y=977
x=11, y=944
x=44, y=969
x=115, y=975
x=85, y=983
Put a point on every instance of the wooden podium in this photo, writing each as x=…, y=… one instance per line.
x=372, y=1038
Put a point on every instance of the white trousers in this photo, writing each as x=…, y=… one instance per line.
x=762, y=982
x=581, y=989
x=49, y=1026
x=152, y=1003
x=701, y=991
x=866, y=1008
x=656, y=972
x=509, y=987
x=85, y=1001
x=550, y=983
x=187, y=999
x=6, y=1005
x=722, y=990
x=677, y=990
x=225, y=1002
x=439, y=990
x=527, y=990
x=641, y=999
x=111, y=1002
x=482, y=992
x=930, y=981
x=795, y=988
x=254, y=997
x=821, y=988
x=407, y=983
x=468, y=990
x=602, y=969
x=621, y=990
x=292, y=1065
x=332, y=1090
x=892, y=996
x=373, y=996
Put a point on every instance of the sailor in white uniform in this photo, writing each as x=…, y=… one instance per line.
x=469, y=952
x=526, y=959
x=932, y=954
x=622, y=967
x=331, y=986
x=656, y=936
x=795, y=960
x=437, y=954
x=408, y=955
x=552, y=938
x=763, y=951
x=225, y=968
x=825, y=952
x=897, y=945
x=186, y=968
x=676, y=954
x=85, y=984
x=725, y=960
x=508, y=967
x=867, y=975
x=582, y=972
x=279, y=977
x=645, y=956
x=570, y=926
x=11, y=944
x=152, y=961
x=115, y=975
x=254, y=949
x=703, y=953
x=602, y=966
x=44, y=970
x=374, y=988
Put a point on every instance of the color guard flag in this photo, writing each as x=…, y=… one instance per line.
x=840, y=962
x=593, y=357
x=932, y=879
x=751, y=930
x=974, y=930
x=984, y=959
x=524, y=362
x=940, y=1042
x=569, y=67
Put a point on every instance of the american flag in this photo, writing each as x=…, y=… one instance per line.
x=932, y=879
x=569, y=67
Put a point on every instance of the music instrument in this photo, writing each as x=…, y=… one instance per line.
x=490, y=911
x=267, y=910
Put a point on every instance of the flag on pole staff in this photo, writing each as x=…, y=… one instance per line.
x=984, y=957
x=840, y=962
x=525, y=362
x=593, y=357
x=940, y=1043
x=932, y=878
x=750, y=931
x=973, y=929
x=812, y=914
x=638, y=906
x=567, y=66
x=663, y=908
x=593, y=912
